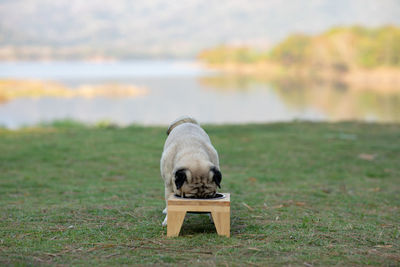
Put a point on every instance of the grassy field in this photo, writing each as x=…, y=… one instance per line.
x=302, y=193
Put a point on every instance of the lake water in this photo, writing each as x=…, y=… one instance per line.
x=177, y=88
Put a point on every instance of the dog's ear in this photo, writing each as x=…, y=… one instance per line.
x=217, y=177
x=180, y=178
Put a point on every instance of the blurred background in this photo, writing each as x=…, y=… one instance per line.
x=227, y=61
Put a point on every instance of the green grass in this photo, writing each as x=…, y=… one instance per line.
x=302, y=194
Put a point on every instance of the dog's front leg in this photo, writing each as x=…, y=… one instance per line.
x=168, y=192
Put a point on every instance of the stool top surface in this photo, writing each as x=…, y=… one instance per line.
x=226, y=199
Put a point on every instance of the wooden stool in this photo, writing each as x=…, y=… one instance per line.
x=220, y=209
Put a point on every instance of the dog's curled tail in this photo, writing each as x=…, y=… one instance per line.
x=180, y=121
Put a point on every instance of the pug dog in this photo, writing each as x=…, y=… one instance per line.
x=189, y=162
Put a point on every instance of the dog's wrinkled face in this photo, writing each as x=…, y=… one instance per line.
x=197, y=184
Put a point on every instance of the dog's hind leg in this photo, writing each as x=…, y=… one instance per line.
x=164, y=223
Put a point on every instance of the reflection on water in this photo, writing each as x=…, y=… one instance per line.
x=335, y=100
x=339, y=102
x=174, y=89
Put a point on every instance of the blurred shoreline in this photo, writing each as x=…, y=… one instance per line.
x=11, y=89
x=385, y=78
x=361, y=57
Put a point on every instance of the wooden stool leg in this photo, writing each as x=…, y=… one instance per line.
x=222, y=222
x=174, y=222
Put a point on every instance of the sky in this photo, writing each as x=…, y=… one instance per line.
x=180, y=27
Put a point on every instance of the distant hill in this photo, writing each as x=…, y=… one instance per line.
x=357, y=56
x=340, y=48
x=48, y=29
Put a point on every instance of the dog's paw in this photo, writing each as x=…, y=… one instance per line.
x=164, y=211
x=164, y=223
